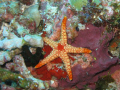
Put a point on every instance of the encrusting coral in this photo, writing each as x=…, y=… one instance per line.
x=102, y=59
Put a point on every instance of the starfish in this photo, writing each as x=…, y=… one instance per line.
x=60, y=49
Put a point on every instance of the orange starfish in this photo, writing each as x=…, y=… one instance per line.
x=60, y=49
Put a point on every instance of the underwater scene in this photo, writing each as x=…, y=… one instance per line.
x=59, y=44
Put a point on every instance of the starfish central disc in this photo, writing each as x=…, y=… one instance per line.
x=60, y=47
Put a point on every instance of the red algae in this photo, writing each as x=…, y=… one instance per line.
x=114, y=45
x=54, y=71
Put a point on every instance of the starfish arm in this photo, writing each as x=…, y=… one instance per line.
x=66, y=62
x=63, y=31
x=49, y=58
x=50, y=42
x=71, y=49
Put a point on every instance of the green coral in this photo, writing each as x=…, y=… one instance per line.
x=78, y=4
x=18, y=78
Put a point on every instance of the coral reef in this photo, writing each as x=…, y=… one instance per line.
x=18, y=28
x=92, y=24
x=61, y=49
x=27, y=2
x=114, y=47
x=99, y=49
x=15, y=35
x=115, y=76
x=22, y=81
x=103, y=82
x=78, y=4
